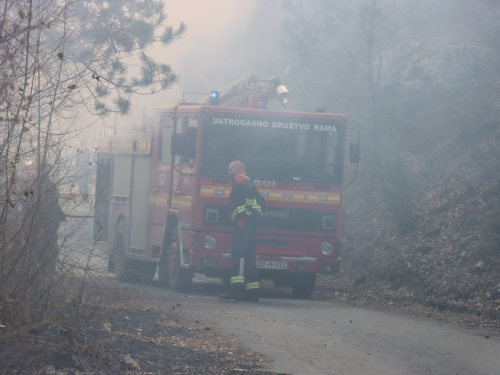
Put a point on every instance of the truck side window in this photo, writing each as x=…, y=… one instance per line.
x=166, y=156
x=191, y=134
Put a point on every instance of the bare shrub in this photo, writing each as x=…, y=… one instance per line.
x=59, y=58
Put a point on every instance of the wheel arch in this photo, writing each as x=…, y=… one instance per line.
x=120, y=217
x=171, y=222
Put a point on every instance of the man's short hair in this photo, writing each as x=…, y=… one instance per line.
x=239, y=165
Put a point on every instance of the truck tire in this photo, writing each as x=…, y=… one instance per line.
x=120, y=262
x=303, y=285
x=180, y=279
x=163, y=271
x=163, y=263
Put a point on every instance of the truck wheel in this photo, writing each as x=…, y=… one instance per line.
x=120, y=262
x=163, y=264
x=163, y=271
x=180, y=279
x=303, y=285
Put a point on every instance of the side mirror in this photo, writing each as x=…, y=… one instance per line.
x=178, y=144
x=354, y=152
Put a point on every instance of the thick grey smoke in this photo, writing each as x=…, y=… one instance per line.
x=226, y=40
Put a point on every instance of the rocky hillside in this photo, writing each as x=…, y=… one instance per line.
x=451, y=258
x=429, y=231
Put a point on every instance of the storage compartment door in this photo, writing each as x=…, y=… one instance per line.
x=140, y=202
x=122, y=173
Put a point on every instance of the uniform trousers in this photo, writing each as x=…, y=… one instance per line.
x=243, y=257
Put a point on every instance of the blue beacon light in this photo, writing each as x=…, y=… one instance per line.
x=214, y=97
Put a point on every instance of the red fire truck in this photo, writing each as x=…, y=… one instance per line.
x=162, y=196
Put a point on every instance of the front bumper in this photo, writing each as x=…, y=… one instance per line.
x=324, y=266
x=300, y=254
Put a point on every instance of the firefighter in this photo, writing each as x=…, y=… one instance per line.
x=246, y=214
x=50, y=215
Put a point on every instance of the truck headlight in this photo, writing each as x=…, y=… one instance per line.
x=209, y=242
x=326, y=248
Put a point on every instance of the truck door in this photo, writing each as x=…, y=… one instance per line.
x=160, y=182
x=183, y=181
x=139, y=203
x=188, y=167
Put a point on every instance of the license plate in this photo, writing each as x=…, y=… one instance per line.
x=272, y=264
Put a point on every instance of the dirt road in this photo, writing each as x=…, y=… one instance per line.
x=317, y=337
x=320, y=337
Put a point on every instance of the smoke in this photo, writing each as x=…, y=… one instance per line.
x=225, y=41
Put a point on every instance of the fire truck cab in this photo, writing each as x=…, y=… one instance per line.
x=162, y=196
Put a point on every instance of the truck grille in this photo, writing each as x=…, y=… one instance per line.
x=279, y=219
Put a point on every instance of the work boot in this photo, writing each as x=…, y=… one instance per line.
x=232, y=294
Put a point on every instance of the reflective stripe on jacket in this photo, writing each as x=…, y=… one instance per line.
x=243, y=200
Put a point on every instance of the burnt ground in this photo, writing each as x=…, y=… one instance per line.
x=132, y=332
x=135, y=329
x=343, y=288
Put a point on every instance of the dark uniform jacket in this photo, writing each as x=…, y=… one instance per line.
x=51, y=212
x=245, y=201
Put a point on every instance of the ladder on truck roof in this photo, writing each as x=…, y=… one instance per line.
x=236, y=94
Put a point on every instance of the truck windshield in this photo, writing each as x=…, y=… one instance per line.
x=273, y=149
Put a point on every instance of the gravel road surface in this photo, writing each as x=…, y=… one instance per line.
x=318, y=337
